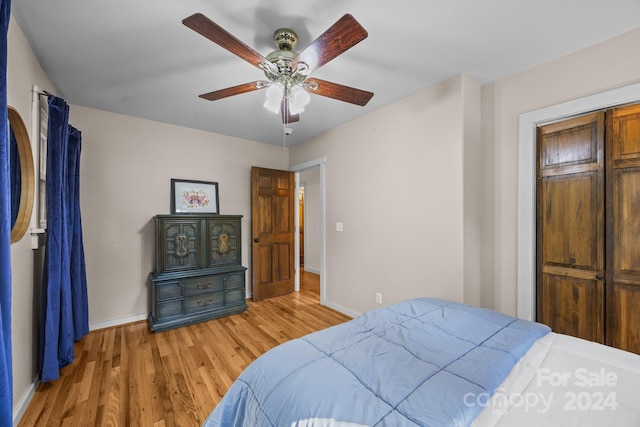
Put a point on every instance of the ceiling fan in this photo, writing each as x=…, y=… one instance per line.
x=288, y=72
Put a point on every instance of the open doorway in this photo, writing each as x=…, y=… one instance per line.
x=309, y=230
x=310, y=227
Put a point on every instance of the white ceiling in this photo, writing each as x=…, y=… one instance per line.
x=135, y=57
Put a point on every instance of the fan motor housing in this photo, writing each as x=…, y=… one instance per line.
x=285, y=38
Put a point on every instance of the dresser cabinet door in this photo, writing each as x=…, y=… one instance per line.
x=179, y=245
x=223, y=242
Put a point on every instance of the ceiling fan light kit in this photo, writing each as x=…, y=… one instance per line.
x=288, y=85
x=286, y=81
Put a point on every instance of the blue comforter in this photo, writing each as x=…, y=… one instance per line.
x=422, y=362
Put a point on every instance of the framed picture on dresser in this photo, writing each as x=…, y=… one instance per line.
x=194, y=197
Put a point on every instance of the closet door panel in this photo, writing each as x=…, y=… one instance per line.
x=570, y=226
x=625, y=302
x=569, y=240
x=571, y=303
x=623, y=227
x=626, y=223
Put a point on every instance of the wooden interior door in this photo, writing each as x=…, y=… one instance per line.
x=570, y=226
x=272, y=226
x=623, y=228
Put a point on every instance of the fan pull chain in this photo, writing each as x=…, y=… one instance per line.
x=284, y=140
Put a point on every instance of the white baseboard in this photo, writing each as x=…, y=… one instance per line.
x=312, y=269
x=341, y=309
x=21, y=406
x=116, y=322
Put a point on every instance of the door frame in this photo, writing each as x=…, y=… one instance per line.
x=526, y=231
x=299, y=188
x=301, y=167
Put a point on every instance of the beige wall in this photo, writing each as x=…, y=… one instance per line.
x=401, y=244
x=601, y=67
x=472, y=171
x=394, y=178
x=125, y=174
x=23, y=70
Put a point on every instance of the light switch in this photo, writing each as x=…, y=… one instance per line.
x=339, y=226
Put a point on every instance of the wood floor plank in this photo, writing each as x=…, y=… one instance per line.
x=127, y=375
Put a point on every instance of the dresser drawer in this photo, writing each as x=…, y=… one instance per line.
x=234, y=297
x=169, y=309
x=234, y=281
x=168, y=290
x=203, y=302
x=202, y=285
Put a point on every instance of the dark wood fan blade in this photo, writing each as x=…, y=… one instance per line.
x=235, y=90
x=340, y=92
x=287, y=117
x=214, y=32
x=341, y=36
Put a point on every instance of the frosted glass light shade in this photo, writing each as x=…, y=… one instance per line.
x=298, y=99
x=275, y=92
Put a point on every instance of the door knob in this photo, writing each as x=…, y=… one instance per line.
x=599, y=277
x=257, y=240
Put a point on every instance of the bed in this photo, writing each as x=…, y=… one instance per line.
x=431, y=362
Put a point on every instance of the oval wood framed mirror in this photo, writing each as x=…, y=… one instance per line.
x=23, y=189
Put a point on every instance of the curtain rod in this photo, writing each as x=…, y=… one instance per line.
x=45, y=93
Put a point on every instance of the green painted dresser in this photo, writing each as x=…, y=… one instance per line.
x=198, y=275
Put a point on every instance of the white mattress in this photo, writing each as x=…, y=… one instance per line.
x=566, y=381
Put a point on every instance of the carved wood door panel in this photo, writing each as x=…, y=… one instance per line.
x=272, y=226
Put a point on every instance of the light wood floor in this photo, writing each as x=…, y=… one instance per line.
x=129, y=376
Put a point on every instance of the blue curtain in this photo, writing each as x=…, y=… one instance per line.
x=6, y=368
x=64, y=291
x=78, y=271
x=16, y=178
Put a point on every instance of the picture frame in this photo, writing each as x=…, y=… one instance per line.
x=194, y=197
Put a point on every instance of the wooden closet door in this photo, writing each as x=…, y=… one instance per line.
x=623, y=228
x=570, y=226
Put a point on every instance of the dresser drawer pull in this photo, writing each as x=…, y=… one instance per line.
x=205, y=286
x=202, y=303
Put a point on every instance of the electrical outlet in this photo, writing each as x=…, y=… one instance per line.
x=378, y=298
